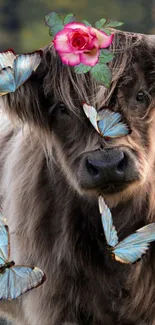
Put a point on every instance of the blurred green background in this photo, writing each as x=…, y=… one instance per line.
x=22, y=21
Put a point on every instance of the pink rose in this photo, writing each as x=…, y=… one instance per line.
x=78, y=43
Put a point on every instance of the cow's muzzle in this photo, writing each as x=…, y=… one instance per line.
x=109, y=170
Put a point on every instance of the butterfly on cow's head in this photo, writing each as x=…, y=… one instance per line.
x=106, y=122
x=15, y=70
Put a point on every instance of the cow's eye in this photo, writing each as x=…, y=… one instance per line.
x=57, y=109
x=141, y=96
x=62, y=108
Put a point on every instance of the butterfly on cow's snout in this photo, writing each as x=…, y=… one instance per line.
x=16, y=69
x=130, y=249
x=15, y=279
x=107, y=123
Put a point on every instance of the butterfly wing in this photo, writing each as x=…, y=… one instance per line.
x=109, y=228
x=91, y=113
x=134, y=246
x=110, y=125
x=24, y=65
x=3, y=221
x=6, y=59
x=19, y=279
x=4, y=242
x=7, y=82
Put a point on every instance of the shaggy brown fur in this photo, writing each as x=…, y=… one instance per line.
x=54, y=223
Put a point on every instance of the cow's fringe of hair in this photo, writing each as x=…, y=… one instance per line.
x=62, y=84
x=73, y=88
x=65, y=85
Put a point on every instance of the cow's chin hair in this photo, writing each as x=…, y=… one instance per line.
x=132, y=191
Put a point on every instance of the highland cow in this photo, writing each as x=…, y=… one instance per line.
x=53, y=167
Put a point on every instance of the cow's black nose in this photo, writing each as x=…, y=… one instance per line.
x=108, y=170
x=112, y=165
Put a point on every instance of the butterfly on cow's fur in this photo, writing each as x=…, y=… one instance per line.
x=107, y=123
x=130, y=249
x=15, y=279
x=15, y=70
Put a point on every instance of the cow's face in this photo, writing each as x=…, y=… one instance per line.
x=116, y=168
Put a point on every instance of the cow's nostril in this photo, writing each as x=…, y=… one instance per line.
x=121, y=167
x=93, y=171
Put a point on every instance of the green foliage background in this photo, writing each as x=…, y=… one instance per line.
x=22, y=21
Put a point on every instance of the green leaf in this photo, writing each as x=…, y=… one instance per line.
x=100, y=23
x=113, y=24
x=107, y=31
x=81, y=68
x=53, y=19
x=102, y=74
x=86, y=23
x=55, y=29
x=105, y=56
x=69, y=19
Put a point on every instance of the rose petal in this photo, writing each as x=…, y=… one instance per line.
x=61, y=42
x=90, y=38
x=90, y=58
x=78, y=34
x=77, y=25
x=104, y=39
x=94, y=42
x=70, y=58
x=95, y=38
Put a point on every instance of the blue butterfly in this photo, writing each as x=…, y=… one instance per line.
x=15, y=279
x=15, y=70
x=106, y=122
x=132, y=247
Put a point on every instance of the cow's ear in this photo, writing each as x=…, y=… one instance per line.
x=27, y=104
